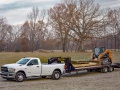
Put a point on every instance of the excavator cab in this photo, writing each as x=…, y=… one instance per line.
x=97, y=51
x=102, y=54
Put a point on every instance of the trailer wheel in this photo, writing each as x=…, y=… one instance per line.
x=56, y=75
x=110, y=69
x=104, y=70
x=89, y=70
x=19, y=77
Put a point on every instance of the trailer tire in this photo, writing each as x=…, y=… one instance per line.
x=110, y=69
x=104, y=70
x=19, y=77
x=89, y=70
x=56, y=75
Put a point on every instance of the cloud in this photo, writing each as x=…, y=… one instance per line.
x=108, y=3
x=3, y=2
x=26, y=4
x=17, y=16
x=7, y=1
x=16, y=10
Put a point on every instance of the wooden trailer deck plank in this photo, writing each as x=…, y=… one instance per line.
x=85, y=65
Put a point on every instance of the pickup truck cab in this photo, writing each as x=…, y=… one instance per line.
x=31, y=67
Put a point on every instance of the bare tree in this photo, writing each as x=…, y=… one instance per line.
x=42, y=30
x=114, y=26
x=24, y=38
x=86, y=19
x=33, y=18
x=15, y=38
x=58, y=18
x=78, y=18
x=9, y=38
x=5, y=33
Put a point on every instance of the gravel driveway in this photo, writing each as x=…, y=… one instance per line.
x=82, y=81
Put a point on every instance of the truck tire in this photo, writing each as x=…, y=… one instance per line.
x=19, y=77
x=110, y=69
x=56, y=75
x=104, y=70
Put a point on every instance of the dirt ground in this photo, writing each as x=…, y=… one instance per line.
x=82, y=81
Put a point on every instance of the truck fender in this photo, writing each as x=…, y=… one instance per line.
x=22, y=72
x=58, y=70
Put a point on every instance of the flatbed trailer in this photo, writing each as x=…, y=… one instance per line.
x=101, y=68
x=76, y=66
x=116, y=65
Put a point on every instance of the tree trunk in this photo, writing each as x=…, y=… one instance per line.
x=118, y=43
x=64, y=46
x=82, y=45
x=115, y=42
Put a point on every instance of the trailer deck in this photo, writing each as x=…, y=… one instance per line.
x=78, y=65
x=102, y=68
x=116, y=65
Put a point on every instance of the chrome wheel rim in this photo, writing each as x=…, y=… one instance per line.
x=57, y=75
x=105, y=69
x=20, y=77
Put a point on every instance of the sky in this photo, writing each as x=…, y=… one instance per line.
x=16, y=11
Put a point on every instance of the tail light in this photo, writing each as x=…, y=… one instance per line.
x=65, y=66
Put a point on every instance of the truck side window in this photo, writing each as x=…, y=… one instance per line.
x=34, y=62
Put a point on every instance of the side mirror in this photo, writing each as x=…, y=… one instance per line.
x=29, y=64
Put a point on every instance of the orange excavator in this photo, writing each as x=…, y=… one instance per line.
x=103, y=55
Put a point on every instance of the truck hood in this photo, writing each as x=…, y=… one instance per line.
x=14, y=65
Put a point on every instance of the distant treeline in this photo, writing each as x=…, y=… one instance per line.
x=71, y=25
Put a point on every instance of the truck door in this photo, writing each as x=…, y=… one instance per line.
x=33, y=68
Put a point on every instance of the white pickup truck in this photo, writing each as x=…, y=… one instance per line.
x=31, y=67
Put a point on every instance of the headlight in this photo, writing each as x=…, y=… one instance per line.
x=11, y=70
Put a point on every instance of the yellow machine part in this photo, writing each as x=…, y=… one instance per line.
x=106, y=52
x=91, y=56
x=102, y=54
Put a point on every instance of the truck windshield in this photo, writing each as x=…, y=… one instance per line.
x=23, y=61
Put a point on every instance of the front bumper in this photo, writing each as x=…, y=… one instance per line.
x=7, y=75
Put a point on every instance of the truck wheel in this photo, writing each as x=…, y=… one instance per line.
x=19, y=77
x=104, y=70
x=56, y=75
x=110, y=69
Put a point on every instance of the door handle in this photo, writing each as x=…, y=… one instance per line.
x=37, y=66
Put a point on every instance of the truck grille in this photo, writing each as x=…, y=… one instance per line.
x=4, y=69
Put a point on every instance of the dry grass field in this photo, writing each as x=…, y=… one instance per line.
x=12, y=57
